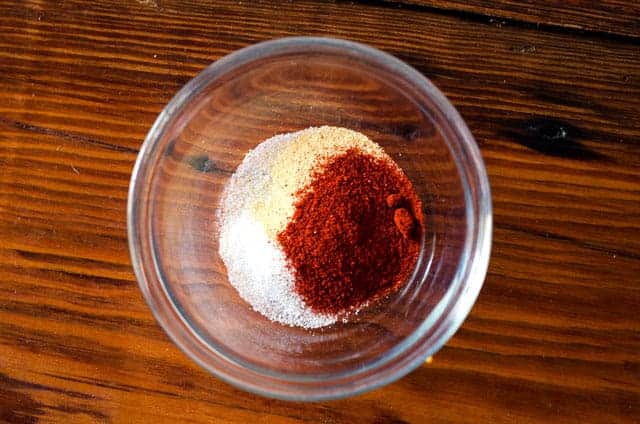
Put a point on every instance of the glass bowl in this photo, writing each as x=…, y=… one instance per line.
x=196, y=144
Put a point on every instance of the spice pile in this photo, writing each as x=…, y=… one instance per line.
x=317, y=224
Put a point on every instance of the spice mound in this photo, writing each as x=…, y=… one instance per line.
x=316, y=225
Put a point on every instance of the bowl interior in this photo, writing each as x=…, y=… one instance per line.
x=231, y=109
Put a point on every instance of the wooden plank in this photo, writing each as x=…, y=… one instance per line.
x=615, y=17
x=555, y=334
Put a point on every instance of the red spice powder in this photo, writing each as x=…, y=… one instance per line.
x=355, y=234
x=404, y=221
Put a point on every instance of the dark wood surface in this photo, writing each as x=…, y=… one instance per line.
x=555, y=334
x=607, y=17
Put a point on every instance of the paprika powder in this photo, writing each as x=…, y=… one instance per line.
x=355, y=235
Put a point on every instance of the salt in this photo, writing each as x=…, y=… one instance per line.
x=256, y=266
x=258, y=270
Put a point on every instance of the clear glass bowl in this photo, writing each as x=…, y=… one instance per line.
x=196, y=144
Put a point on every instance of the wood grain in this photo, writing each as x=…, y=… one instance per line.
x=603, y=17
x=555, y=335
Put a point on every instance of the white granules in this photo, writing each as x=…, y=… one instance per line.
x=256, y=266
x=257, y=204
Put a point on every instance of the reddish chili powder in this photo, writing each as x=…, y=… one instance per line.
x=355, y=234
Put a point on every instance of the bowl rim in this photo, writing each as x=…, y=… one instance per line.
x=471, y=270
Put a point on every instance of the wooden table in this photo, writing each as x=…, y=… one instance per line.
x=552, y=93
